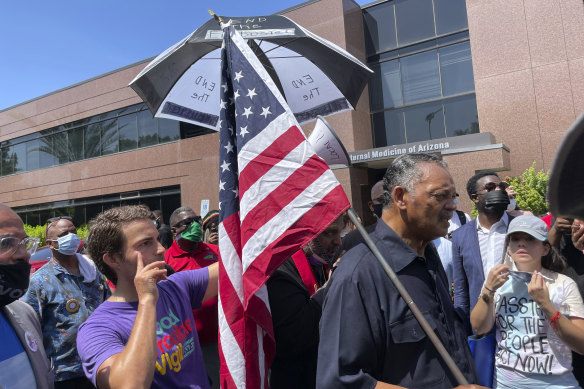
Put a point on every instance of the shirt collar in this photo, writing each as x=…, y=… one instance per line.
x=504, y=219
x=400, y=254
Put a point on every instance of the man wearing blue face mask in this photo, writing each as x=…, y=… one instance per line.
x=64, y=292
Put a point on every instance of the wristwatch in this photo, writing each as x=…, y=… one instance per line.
x=485, y=298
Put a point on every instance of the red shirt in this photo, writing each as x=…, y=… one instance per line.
x=548, y=220
x=205, y=255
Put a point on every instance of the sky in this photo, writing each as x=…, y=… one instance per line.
x=49, y=45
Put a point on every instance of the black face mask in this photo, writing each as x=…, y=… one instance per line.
x=378, y=209
x=14, y=280
x=494, y=202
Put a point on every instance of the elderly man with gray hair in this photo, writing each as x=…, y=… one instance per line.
x=368, y=335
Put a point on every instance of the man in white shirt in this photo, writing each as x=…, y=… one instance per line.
x=478, y=246
x=444, y=244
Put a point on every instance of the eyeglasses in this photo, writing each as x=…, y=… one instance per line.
x=54, y=219
x=9, y=245
x=492, y=186
x=187, y=221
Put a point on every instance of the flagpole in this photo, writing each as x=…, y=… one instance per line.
x=409, y=301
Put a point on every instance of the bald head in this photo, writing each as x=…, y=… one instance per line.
x=11, y=226
x=377, y=190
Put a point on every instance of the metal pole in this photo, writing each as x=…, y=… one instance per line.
x=408, y=299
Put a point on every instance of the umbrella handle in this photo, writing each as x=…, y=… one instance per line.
x=408, y=299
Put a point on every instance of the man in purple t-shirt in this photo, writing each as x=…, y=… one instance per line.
x=144, y=334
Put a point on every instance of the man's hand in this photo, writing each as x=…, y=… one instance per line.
x=578, y=234
x=563, y=225
x=560, y=227
x=213, y=238
x=147, y=277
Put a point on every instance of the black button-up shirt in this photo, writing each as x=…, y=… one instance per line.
x=367, y=331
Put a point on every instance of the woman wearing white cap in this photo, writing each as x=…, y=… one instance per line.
x=538, y=313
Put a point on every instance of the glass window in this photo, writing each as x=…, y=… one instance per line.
x=415, y=21
x=19, y=151
x=32, y=154
x=394, y=127
x=75, y=141
x=450, y=16
x=147, y=132
x=386, y=86
x=109, y=137
x=128, y=130
x=46, y=156
x=93, y=140
x=420, y=77
x=424, y=122
x=61, y=147
x=456, y=69
x=461, y=115
x=7, y=160
x=379, y=28
x=46, y=214
x=168, y=130
x=92, y=210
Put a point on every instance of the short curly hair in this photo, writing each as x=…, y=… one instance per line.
x=106, y=234
x=471, y=185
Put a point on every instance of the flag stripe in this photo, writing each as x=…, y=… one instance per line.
x=322, y=214
x=231, y=349
x=271, y=229
x=288, y=194
x=278, y=174
x=277, y=126
x=266, y=159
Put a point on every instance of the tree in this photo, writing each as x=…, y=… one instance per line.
x=530, y=190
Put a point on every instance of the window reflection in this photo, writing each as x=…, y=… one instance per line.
x=32, y=154
x=109, y=137
x=400, y=23
x=124, y=129
x=461, y=116
x=128, y=130
x=147, y=132
x=386, y=86
x=415, y=21
x=450, y=16
x=456, y=69
x=379, y=28
x=420, y=77
x=424, y=122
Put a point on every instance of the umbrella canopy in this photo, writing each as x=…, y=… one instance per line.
x=315, y=76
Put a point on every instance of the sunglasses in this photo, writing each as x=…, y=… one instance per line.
x=54, y=219
x=9, y=245
x=491, y=186
x=187, y=222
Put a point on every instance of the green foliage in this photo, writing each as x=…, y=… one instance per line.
x=36, y=232
x=39, y=232
x=83, y=231
x=530, y=189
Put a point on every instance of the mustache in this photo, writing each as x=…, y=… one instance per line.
x=445, y=215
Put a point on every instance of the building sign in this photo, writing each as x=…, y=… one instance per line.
x=432, y=146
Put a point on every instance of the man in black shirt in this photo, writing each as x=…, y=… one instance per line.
x=368, y=335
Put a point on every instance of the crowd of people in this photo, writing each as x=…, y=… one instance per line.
x=139, y=307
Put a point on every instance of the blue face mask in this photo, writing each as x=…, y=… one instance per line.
x=68, y=244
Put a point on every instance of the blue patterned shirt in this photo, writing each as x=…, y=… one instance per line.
x=63, y=301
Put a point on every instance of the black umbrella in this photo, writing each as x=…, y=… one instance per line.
x=315, y=76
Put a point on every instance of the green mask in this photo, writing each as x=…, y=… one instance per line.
x=193, y=233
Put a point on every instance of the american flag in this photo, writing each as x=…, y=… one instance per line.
x=275, y=196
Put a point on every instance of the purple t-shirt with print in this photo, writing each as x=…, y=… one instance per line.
x=179, y=362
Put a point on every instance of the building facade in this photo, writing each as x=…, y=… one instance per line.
x=487, y=85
